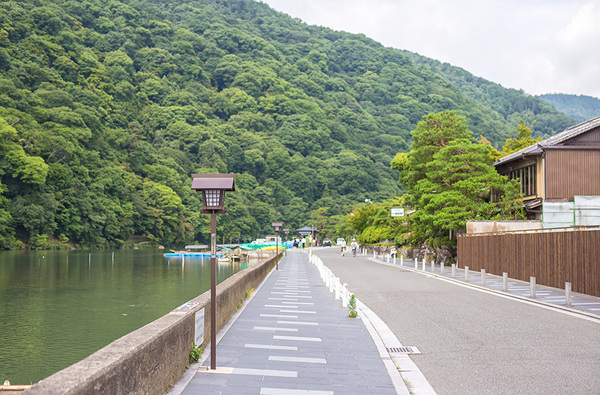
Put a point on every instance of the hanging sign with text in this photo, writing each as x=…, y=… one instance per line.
x=398, y=212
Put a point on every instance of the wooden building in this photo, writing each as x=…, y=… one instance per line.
x=558, y=168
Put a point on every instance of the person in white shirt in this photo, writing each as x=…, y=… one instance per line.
x=342, y=245
x=354, y=246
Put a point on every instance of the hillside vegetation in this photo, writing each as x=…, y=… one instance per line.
x=579, y=107
x=510, y=104
x=108, y=107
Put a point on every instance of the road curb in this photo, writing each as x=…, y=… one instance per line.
x=578, y=313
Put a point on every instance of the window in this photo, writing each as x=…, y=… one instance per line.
x=527, y=178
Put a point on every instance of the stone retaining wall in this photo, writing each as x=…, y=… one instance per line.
x=445, y=254
x=150, y=359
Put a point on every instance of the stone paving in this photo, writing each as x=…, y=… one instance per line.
x=292, y=338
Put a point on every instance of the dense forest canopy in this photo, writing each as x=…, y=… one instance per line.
x=108, y=107
x=579, y=107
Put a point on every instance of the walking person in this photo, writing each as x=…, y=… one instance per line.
x=342, y=245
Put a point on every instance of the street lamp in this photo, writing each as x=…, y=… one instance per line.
x=213, y=187
x=286, y=231
x=277, y=225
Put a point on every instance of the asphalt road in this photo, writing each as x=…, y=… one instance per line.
x=473, y=342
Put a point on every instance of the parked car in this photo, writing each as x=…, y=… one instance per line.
x=326, y=242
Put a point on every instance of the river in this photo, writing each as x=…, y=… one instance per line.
x=58, y=307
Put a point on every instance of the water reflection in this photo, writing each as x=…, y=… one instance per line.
x=57, y=307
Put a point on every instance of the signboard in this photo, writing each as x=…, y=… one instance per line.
x=199, y=333
x=398, y=212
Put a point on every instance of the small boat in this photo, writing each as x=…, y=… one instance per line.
x=198, y=251
x=224, y=259
x=187, y=253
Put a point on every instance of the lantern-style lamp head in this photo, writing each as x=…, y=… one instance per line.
x=277, y=225
x=286, y=231
x=213, y=187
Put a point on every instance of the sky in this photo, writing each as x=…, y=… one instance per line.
x=539, y=46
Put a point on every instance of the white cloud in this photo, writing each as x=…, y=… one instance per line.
x=540, y=46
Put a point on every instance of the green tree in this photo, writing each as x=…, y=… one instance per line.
x=449, y=179
x=523, y=140
x=15, y=161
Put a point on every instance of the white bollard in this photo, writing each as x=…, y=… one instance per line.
x=532, y=286
x=432, y=265
x=415, y=262
x=331, y=282
x=394, y=259
x=401, y=260
x=453, y=270
x=423, y=264
x=374, y=254
x=442, y=268
x=345, y=295
x=568, y=293
x=466, y=273
x=483, y=277
x=505, y=281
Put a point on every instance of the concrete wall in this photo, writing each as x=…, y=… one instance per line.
x=501, y=226
x=150, y=359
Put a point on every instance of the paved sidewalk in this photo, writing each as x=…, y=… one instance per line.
x=293, y=337
x=580, y=303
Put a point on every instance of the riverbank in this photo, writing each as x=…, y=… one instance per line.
x=150, y=359
x=59, y=307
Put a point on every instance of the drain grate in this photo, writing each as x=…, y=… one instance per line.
x=403, y=350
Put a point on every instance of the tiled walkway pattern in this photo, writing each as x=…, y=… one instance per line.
x=294, y=338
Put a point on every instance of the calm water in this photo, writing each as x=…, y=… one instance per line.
x=58, y=307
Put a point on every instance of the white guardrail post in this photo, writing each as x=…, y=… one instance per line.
x=345, y=295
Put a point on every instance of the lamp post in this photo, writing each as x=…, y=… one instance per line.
x=277, y=225
x=286, y=231
x=213, y=187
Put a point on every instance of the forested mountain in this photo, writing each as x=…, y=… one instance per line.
x=108, y=107
x=510, y=104
x=579, y=107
